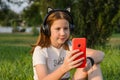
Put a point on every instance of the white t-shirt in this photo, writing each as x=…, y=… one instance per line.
x=51, y=57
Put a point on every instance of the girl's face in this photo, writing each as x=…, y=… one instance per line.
x=59, y=32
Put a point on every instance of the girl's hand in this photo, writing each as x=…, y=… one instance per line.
x=70, y=62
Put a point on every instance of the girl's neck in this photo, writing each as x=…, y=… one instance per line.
x=57, y=46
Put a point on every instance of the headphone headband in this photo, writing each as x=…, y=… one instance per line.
x=55, y=10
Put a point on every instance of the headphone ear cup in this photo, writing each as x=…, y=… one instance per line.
x=46, y=30
x=71, y=27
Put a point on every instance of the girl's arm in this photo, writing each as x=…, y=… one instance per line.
x=42, y=73
x=68, y=64
x=95, y=54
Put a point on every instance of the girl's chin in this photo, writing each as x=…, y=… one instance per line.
x=62, y=42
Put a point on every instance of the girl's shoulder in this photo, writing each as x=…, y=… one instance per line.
x=40, y=50
x=37, y=47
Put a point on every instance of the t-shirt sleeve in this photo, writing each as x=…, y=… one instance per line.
x=38, y=56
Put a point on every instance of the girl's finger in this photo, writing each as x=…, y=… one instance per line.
x=75, y=56
x=74, y=66
x=77, y=61
x=70, y=53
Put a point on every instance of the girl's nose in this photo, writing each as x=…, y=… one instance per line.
x=62, y=32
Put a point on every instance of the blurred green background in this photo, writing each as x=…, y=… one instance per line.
x=97, y=20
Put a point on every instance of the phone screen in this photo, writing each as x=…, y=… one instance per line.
x=80, y=43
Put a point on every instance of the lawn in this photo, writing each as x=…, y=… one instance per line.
x=16, y=61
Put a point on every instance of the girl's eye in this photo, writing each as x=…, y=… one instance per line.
x=66, y=28
x=57, y=28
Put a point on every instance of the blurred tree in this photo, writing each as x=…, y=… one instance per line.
x=93, y=19
x=6, y=15
x=96, y=19
x=35, y=13
x=32, y=15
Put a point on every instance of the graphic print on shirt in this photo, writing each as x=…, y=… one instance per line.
x=54, y=63
x=58, y=61
x=55, y=58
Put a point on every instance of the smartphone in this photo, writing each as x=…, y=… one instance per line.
x=80, y=43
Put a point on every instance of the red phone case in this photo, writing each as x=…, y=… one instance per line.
x=80, y=43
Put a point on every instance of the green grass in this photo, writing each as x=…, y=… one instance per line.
x=16, y=61
x=116, y=35
x=111, y=63
x=115, y=40
x=16, y=39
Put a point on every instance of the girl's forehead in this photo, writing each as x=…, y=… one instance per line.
x=60, y=22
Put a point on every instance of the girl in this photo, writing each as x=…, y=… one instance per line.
x=52, y=55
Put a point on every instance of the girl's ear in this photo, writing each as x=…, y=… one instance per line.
x=49, y=9
x=68, y=9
